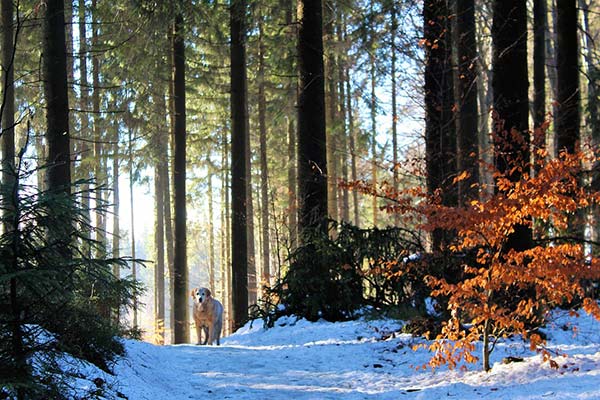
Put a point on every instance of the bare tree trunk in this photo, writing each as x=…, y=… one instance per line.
x=84, y=118
x=250, y=222
x=373, y=105
x=132, y=226
x=264, y=172
x=567, y=56
x=8, y=112
x=540, y=25
x=239, y=174
x=98, y=151
x=159, y=274
x=292, y=91
x=511, y=103
x=331, y=115
x=312, y=139
x=352, y=148
x=440, y=135
x=57, y=98
x=159, y=195
x=467, y=124
x=180, y=275
x=393, y=33
x=211, y=228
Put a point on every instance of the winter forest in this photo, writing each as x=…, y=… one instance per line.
x=431, y=168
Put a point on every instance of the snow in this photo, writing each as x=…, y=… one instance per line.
x=364, y=359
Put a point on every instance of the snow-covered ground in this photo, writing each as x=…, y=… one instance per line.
x=351, y=360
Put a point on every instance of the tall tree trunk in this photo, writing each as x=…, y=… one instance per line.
x=352, y=148
x=57, y=99
x=239, y=174
x=116, y=234
x=373, y=114
x=510, y=84
x=170, y=191
x=567, y=56
x=440, y=135
x=540, y=25
x=9, y=184
x=568, y=117
x=264, y=172
x=292, y=93
x=250, y=221
x=98, y=170
x=159, y=233
x=593, y=74
x=343, y=139
x=211, y=228
x=180, y=273
x=84, y=118
x=225, y=234
x=132, y=226
x=159, y=272
x=8, y=113
x=331, y=114
x=467, y=124
x=312, y=143
x=396, y=166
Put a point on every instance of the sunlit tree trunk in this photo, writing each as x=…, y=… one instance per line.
x=264, y=172
x=99, y=174
x=180, y=271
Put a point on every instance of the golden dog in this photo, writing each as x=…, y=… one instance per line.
x=208, y=316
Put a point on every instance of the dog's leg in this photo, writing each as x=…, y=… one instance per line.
x=206, y=336
x=199, y=334
x=217, y=331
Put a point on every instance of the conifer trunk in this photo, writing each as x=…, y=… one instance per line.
x=239, y=163
x=312, y=143
x=180, y=271
x=57, y=99
x=264, y=172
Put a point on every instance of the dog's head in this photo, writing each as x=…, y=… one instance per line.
x=200, y=295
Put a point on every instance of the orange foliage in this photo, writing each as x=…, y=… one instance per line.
x=545, y=276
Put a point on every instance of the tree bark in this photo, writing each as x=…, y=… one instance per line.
x=510, y=84
x=132, y=226
x=159, y=233
x=57, y=99
x=292, y=92
x=467, y=124
x=352, y=149
x=84, y=118
x=239, y=174
x=211, y=229
x=264, y=171
x=312, y=143
x=396, y=166
x=180, y=271
x=540, y=25
x=8, y=113
x=331, y=100
x=97, y=131
x=567, y=68
x=440, y=134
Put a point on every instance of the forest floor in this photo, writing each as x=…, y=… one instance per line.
x=364, y=359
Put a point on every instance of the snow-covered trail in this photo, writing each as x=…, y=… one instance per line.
x=351, y=360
